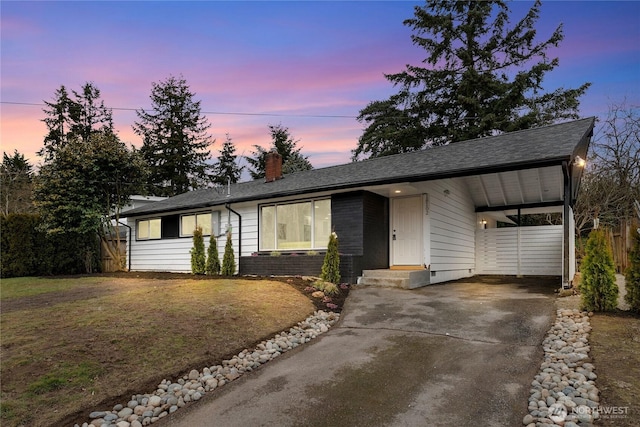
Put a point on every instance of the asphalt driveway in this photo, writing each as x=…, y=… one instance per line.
x=455, y=354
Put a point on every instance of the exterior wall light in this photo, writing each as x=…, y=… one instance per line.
x=579, y=161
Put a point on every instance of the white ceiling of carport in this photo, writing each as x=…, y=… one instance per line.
x=521, y=187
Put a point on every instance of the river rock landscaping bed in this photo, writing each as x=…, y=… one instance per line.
x=564, y=392
x=145, y=409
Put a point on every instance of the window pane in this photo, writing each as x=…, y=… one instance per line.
x=204, y=221
x=267, y=228
x=188, y=225
x=154, y=228
x=294, y=226
x=322, y=222
x=143, y=229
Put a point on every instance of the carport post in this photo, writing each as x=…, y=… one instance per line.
x=566, y=280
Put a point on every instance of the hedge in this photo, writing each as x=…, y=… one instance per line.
x=25, y=250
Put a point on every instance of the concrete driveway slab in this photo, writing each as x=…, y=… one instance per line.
x=456, y=354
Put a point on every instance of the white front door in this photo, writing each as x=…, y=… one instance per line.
x=406, y=231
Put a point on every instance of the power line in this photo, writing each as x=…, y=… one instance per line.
x=219, y=113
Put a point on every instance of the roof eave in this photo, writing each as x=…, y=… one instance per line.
x=364, y=183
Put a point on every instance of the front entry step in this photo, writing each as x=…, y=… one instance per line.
x=405, y=279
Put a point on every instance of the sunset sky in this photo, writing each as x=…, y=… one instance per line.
x=310, y=66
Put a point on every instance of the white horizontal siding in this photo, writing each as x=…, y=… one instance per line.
x=174, y=254
x=451, y=230
x=162, y=255
x=539, y=252
x=249, y=228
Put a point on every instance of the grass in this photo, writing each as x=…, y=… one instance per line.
x=79, y=348
x=30, y=286
x=615, y=348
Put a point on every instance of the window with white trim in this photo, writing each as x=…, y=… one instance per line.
x=148, y=229
x=208, y=221
x=294, y=226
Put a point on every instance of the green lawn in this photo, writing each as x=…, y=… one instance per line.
x=69, y=344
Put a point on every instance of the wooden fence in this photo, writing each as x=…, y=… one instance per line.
x=108, y=264
x=621, y=244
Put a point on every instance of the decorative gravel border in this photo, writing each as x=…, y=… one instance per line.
x=564, y=392
x=145, y=409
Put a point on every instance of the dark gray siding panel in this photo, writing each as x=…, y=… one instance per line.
x=361, y=220
x=302, y=265
x=346, y=219
x=376, y=231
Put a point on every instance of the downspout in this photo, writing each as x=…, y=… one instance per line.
x=566, y=280
x=519, y=244
x=128, y=245
x=228, y=207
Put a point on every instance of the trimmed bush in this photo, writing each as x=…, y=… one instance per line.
x=331, y=266
x=213, y=259
x=228, y=260
x=598, y=287
x=198, y=260
x=632, y=276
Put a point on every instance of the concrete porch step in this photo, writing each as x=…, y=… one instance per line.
x=405, y=279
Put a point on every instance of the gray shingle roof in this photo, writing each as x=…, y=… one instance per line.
x=543, y=146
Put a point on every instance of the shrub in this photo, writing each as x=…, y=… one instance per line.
x=632, y=276
x=598, y=287
x=213, y=260
x=228, y=260
x=331, y=264
x=327, y=287
x=198, y=260
x=28, y=251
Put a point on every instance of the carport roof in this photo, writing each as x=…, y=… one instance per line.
x=541, y=148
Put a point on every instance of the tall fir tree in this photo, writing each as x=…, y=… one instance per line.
x=16, y=184
x=283, y=143
x=75, y=116
x=227, y=169
x=480, y=77
x=175, y=142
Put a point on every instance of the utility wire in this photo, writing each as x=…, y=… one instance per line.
x=220, y=113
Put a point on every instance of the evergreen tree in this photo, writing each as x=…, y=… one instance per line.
x=213, y=259
x=74, y=117
x=481, y=77
x=86, y=185
x=598, y=287
x=284, y=144
x=227, y=170
x=175, y=140
x=331, y=264
x=16, y=186
x=88, y=113
x=632, y=276
x=198, y=263
x=228, y=260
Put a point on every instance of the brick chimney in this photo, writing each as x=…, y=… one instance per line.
x=272, y=166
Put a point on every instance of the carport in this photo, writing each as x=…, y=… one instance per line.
x=550, y=186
